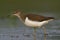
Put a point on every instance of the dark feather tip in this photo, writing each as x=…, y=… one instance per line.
x=51, y=17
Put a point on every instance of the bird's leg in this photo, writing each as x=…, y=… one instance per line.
x=44, y=33
x=34, y=33
x=44, y=30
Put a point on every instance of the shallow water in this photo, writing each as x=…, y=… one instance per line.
x=21, y=32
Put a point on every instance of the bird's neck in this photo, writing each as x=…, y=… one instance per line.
x=21, y=17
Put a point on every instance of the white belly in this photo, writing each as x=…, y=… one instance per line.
x=34, y=23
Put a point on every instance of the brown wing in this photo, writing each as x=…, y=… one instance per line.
x=35, y=17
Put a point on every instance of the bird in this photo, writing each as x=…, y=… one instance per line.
x=33, y=20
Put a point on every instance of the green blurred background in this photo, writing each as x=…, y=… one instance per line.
x=8, y=6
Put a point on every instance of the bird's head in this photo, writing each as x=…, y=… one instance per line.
x=17, y=13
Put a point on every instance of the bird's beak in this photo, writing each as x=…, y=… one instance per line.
x=13, y=14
